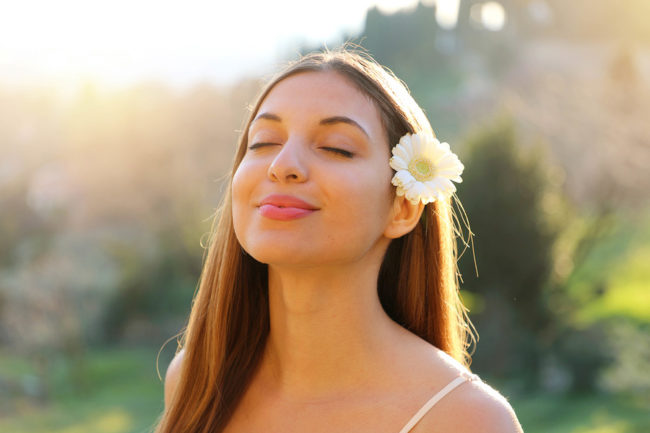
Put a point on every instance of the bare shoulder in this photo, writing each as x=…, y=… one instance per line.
x=172, y=376
x=474, y=406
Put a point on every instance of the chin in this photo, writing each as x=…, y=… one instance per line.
x=302, y=248
x=283, y=255
x=294, y=251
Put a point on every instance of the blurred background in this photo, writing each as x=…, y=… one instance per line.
x=118, y=122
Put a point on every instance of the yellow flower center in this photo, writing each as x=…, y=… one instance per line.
x=422, y=169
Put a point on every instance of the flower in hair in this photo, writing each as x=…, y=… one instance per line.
x=424, y=168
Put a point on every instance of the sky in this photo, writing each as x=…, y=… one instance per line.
x=119, y=42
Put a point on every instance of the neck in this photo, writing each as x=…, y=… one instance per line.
x=328, y=332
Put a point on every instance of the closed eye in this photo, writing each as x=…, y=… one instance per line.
x=258, y=145
x=341, y=152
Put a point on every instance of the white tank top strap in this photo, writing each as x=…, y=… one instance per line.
x=435, y=399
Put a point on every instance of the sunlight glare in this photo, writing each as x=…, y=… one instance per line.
x=447, y=13
x=115, y=43
x=493, y=16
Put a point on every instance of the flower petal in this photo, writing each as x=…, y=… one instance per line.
x=441, y=187
x=448, y=187
x=417, y=145
x=450, y=160
x=403, y=179
x=401, y=151
x=398, y=163
x=450, y=170
x=435, y=186
x=405, y=140
x=415, y=192
x=430, y=195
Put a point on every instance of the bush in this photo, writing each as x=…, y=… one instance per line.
x=511, y=197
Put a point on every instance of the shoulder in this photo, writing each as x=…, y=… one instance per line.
x=474, y=406
x=172, y=376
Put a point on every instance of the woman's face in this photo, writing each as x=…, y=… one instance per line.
x=314, y=185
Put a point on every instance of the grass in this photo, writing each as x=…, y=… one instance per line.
x=619, y=265
x=583, y=413
x=122, y=394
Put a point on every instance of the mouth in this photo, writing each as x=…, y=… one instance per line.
x=287, y=201
x=285, y=207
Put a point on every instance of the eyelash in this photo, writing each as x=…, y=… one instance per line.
x=258, y=145
x=341, y=152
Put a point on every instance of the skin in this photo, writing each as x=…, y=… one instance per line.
x=333, y=353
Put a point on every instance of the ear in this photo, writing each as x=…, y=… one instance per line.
x=404, y=217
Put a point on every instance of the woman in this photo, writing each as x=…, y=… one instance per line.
x=328, y=300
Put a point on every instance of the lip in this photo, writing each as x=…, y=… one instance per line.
x=285, y=207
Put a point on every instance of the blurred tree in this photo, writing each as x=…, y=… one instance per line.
x=154, y=295
x=495, y=50
x=405, y=41
x=583, y=352
x=510, y=197
x=53, y=296
x=631, y=349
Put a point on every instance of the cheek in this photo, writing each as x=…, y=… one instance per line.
x=249, y=173
x=241, y=189
x=367, y=201
x=238, y=183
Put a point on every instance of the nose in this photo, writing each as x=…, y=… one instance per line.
x=289, y=164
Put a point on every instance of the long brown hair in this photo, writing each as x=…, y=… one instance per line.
x=229, y=321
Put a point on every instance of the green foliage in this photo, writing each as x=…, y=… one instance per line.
x=406, y=43
x=612, y=282
x=154, y=288
x=551, y=284
x=582, y=413
x=508, y=196
x=631, y=351
x=584, y=352
x=124, y=394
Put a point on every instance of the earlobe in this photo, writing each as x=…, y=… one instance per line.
x=404, y=217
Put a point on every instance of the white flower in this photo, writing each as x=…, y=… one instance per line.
x=425, y=168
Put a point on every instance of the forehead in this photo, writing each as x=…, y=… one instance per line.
x=307, y=97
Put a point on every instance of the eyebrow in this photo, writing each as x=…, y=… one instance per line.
x=327, y=121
